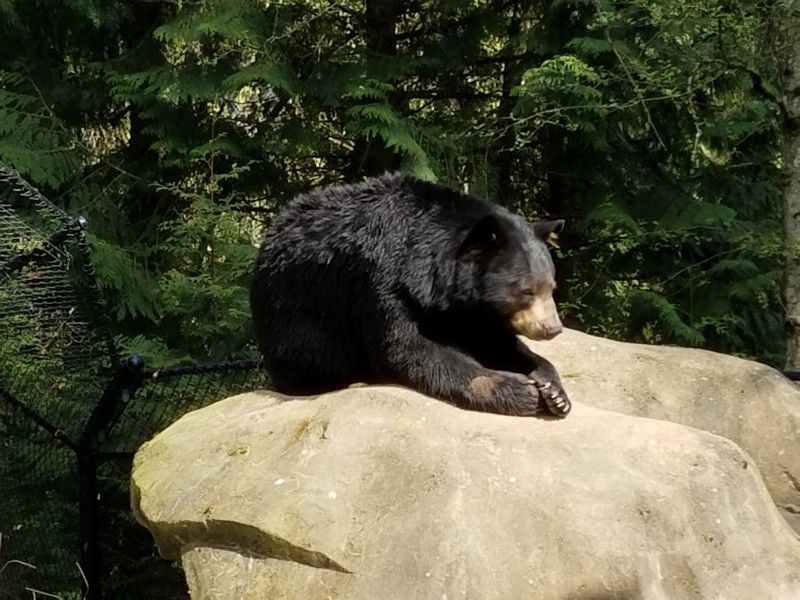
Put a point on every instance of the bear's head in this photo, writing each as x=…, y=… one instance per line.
x=511, y=272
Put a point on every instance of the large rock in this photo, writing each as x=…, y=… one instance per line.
x=744, y=401
x=383, y=493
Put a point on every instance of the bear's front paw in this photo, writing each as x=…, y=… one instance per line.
x=552, y=392
x=505, y=393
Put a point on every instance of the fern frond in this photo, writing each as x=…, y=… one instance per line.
x=650, y=306
x=276, y=75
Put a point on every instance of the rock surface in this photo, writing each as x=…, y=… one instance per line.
x=744, y=401
x=383, y=493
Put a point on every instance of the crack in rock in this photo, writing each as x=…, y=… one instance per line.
x=795, y=483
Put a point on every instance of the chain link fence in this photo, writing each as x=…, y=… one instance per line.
x=73, y=412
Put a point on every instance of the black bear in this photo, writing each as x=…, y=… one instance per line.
x=400, y=281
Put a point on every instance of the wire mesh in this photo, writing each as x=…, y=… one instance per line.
x=55, y=357
x=54, y=363
x=39, y=511
x=166, y=394
x=72, y=415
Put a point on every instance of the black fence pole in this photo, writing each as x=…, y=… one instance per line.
x=119, y=392
x=91, y=559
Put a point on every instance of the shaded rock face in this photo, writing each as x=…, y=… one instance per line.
x=744, y=401
x=384, y=493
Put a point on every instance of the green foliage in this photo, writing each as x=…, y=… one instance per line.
x=204, y=294
x=128, y=284
x=671, y=170
x=652, y=125
x=30, y=135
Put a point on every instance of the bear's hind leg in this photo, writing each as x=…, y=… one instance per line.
x=308, y=370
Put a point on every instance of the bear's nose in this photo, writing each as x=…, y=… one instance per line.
x=553, y=330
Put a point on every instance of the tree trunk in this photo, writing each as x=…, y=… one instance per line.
x=372, y=157
x=513, y=69
x=791, y=165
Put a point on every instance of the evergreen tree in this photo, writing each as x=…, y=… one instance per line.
x=179, y=128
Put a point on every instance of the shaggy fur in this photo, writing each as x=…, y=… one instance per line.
x=396, y=280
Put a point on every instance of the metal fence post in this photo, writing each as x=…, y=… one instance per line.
x=127, y=378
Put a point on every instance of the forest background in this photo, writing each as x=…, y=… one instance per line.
x=661, y=130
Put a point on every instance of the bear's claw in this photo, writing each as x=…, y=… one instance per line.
x=555, y=397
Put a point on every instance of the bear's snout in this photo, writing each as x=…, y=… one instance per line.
x=539, y=320
x=552, y=330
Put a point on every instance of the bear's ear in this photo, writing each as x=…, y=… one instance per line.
x=486, y=234
x=548, y=231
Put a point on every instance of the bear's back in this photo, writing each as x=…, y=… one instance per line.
x=387, y=210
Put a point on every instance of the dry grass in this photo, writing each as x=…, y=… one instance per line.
x=35, y=594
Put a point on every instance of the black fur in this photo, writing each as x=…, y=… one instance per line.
x=395, y=280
